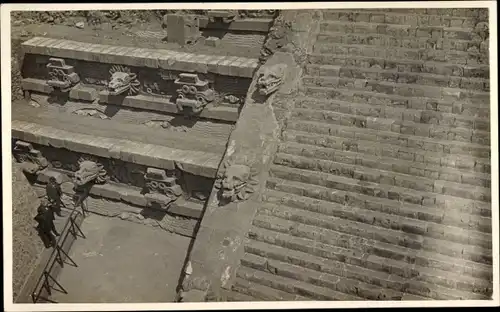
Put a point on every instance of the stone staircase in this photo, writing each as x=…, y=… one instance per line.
x=380, y=189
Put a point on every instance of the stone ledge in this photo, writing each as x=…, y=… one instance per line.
x=37, y=85
x=114, y=208
x=152, y=58
x=152, y=103
x=145, y=102
x=131, y=195
x=195, y=162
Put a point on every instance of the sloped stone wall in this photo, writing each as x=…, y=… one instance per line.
x=26, y=245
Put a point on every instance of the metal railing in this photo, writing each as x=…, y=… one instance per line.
x=56, y=256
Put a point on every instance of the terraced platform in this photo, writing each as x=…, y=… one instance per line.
x=106, y=138
x=381, y=187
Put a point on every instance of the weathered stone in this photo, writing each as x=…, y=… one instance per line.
x=182, y=29
x=212, y=41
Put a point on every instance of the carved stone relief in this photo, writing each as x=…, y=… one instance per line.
x=123, y=81
x=90, y=171
x=193, y=93
x=61, y=76
x=31, y=159
x=126, y=173
x=270, y=79
x=236, y=180
x=160, y=187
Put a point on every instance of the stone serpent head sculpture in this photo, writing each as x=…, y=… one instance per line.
x=123, y=81
x=236, y=180
x=270, y=79
x=89, y=171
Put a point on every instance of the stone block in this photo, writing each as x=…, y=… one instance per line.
x=223, y=66
x=212, y=64
x=182, y=29
x=37, y=85
x=83, y=93
x=212, y=41
x=186, y=208
x=156, y=174
x=161, y=157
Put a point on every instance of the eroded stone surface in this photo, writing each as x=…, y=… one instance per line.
x=358, y=167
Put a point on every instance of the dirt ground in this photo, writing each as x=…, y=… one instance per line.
x=122, y=262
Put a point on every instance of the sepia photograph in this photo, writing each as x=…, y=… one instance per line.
x=271, y=152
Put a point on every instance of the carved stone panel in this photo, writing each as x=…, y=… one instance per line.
x=161, y=188
x=126, y=172
x=61, y=76
x=193, y=94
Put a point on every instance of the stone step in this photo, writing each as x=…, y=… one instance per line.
x=463, y=107
x=396, y=88
x=288, y=285
x=405, y=218
x=401, y=65
x=274, y=234
x=445, y=192
x=262, y=292
x=414, y=242
x=435, y=145
x=375, y=273
x=387, y=110
x=384, y=177
x=386, y=216
x=416, y=169
x=116, y=130
x=466, y=18
x=399, y=32
x=370, y=144
x=465, y=43
x=203, y=128
x=341, y=287
x=402, y=219
x=394, y=75
x=358, y=47
x=383, y=247
x=395, y=123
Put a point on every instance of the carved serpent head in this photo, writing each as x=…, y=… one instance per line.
x=236, y=181
x=123, y=81
x=89, y=171
x=270, y=78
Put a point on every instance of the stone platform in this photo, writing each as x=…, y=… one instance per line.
x=107, y=139
x=151, y=58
